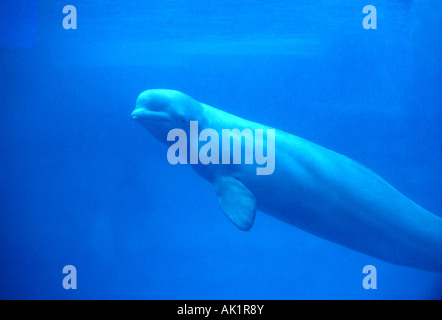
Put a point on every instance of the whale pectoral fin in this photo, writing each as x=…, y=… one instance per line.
x=237, y=201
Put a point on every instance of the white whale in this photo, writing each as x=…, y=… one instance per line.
x=312, y=188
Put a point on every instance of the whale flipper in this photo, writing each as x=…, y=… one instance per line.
x=237, y=201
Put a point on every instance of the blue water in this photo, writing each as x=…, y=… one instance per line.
x=82, y=184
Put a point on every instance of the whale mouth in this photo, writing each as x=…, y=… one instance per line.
x=143, y=114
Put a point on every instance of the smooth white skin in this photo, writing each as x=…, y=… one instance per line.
x=312, y=188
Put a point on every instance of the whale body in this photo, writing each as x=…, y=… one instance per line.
x=312, y=188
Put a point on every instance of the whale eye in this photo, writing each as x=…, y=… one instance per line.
x=182, y=119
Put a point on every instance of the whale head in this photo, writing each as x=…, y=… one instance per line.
x=161, y=110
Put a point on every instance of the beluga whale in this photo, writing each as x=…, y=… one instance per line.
x=308, y=186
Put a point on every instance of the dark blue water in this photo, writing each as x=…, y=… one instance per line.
x=82, y=184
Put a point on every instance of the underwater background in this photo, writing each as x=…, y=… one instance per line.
x=82, y=184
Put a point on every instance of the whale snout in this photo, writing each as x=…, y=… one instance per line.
x=135, y=114
x=141, y=113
